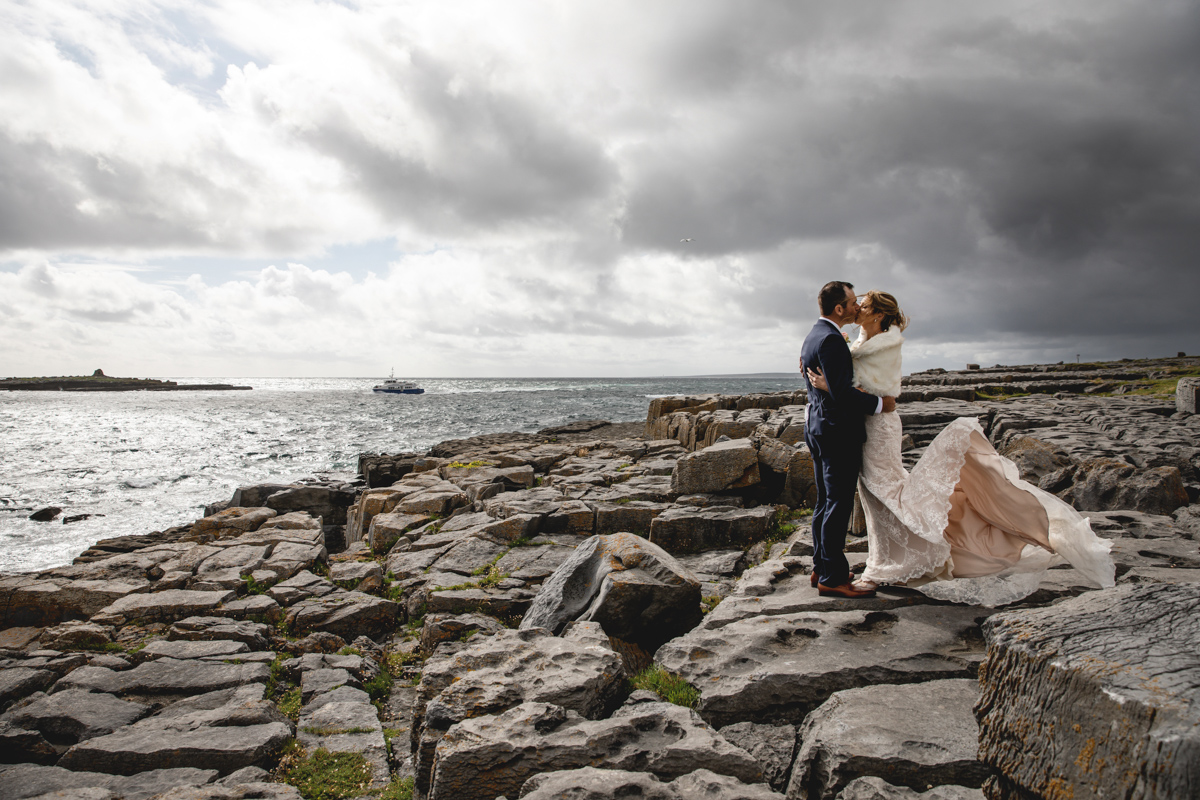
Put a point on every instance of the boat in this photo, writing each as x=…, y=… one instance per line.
x=393, y=386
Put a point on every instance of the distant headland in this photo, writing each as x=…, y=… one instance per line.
x=99, y=382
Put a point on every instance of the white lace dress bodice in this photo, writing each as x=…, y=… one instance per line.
x=962, y=526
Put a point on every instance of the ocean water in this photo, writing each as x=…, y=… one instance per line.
x=150, y=460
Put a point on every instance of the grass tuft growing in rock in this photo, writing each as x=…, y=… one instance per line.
x=399, y=789
x=671, y=688
x=325, y=775
x=289, y=703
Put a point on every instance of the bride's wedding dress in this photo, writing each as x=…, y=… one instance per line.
x=962, y=526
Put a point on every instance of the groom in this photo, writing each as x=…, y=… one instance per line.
x=835, y=430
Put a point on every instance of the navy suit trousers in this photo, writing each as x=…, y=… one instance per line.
x=836, y=465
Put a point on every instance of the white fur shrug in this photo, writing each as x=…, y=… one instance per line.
x=877, y=362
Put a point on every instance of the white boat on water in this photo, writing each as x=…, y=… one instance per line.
x=393, y=386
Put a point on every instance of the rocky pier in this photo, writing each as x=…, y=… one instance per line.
x=609, y=610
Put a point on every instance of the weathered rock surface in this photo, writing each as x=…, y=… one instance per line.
x=494, y=755
x=1097, y=695
x=74, y=715
x=778, y=668
x=166, y=606
x=346, y=614
x=28, y=781
x=727, y=465
x=589, y=783
x=636, y=590
x=680, y=530
x=879, y=789
x=911, y=735
x=165, y=676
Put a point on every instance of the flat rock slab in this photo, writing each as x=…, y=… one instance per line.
x=911, y=735
x=166, y=676
x=494, y=755
x=346, y=614
x=205, y=629
x=779, y=668
x=184, y=649
x=1110, y=678
x=74, y=715
x=789, y=591
x=347, y=723
x=136, y=749
x=589, y=783
x=27, y=780
x=165, y=606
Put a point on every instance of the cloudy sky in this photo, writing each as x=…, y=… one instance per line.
x=454, y=188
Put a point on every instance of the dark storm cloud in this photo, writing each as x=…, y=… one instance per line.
x=1061, y=161
x=498, y=158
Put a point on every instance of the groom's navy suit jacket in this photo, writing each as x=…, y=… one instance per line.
x=838, y=416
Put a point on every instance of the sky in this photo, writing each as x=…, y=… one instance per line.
x=586, y=188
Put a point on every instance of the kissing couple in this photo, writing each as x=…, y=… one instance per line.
x=962, y=526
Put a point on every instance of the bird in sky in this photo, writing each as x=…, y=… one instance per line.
x=685, y=240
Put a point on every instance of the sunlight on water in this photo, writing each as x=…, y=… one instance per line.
x=150, y=460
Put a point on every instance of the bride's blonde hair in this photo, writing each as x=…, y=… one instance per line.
x=885, y=304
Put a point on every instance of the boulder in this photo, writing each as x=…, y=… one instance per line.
x=684, y=529
x=346, y=614
x=45, y=514
x=780, y=667
x=589, y=783
x=387, y=528
x=1187, y=395
x=1034, y=458
x=636, y=590
x=726, y=465
x=911, y=735
x=494, y=755
x=1108, y=678
x=1107, y=485
x=578, y=671
x=74, y=715
x=76, y=634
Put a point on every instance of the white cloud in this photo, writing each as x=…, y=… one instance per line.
x=1019, y=175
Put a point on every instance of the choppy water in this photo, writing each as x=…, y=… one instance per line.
x=149, y=460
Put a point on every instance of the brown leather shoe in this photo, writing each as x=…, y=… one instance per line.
x=845, y=590
x=812, y=578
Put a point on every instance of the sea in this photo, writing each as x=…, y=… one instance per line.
x=144, y=461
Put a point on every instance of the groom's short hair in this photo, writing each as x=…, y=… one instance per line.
x=832, y=295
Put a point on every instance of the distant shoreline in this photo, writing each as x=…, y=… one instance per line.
x=104, y=383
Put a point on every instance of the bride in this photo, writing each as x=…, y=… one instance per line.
x=962, y=526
